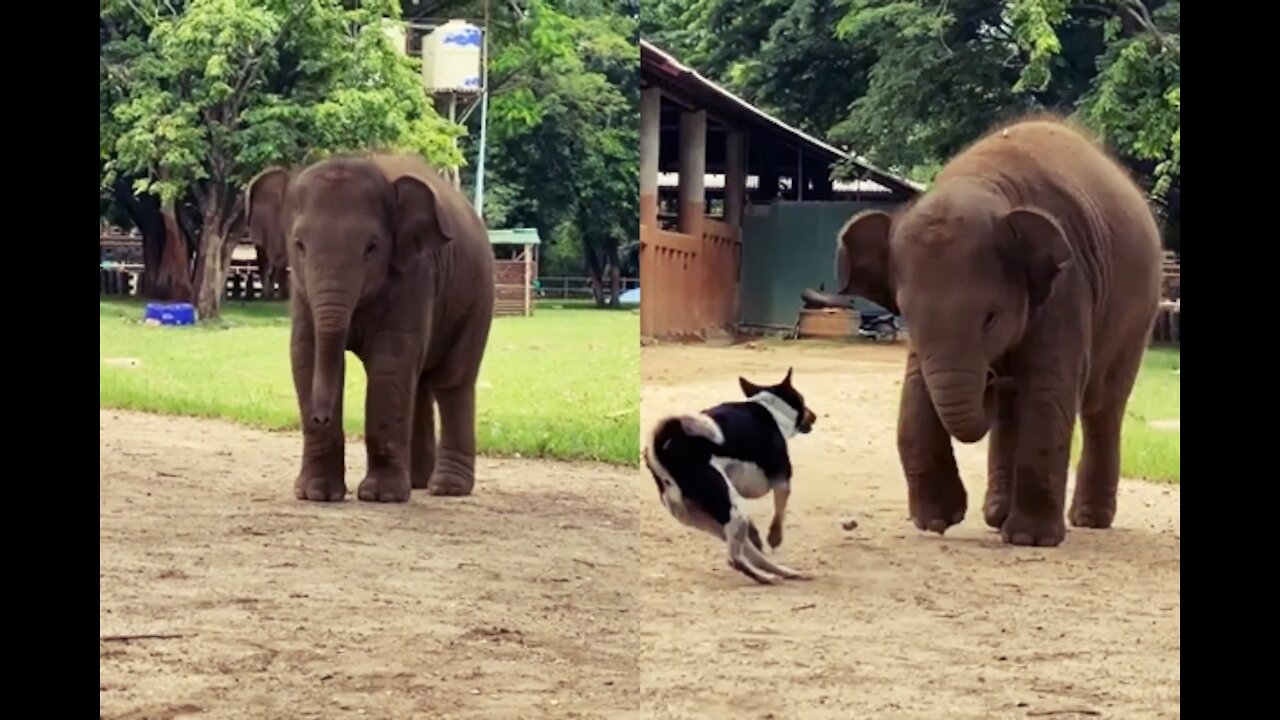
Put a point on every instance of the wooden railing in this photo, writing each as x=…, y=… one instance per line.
x=690, y=282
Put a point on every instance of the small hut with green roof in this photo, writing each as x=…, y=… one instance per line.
x=515, y=269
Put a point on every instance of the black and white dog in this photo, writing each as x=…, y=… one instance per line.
x=705, y=463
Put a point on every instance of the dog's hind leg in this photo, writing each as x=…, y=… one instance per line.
x=753, y=535
x=781, y=494
x=737, y=533
x=757, y=559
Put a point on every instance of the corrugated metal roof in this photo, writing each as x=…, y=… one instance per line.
x=515, y=236
x=671, y=66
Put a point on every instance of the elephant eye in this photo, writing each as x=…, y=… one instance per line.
x=302, y=249
x=990, y=320
x=370, y=248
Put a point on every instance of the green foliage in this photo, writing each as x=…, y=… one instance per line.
x=1034, y=23
x=211, y=91
x=909, y=83
x=549, y=387
x=564, y=126
x=1136, y=101
x=196, y=97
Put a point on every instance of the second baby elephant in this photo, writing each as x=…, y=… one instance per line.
x=1029, y=276
x=390, y=262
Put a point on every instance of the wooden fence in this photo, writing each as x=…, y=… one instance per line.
x=1168, y=325
x=576, y=287
x=691, y=281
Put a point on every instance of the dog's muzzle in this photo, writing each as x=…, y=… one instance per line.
x=806, y=421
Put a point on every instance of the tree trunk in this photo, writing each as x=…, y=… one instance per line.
x=145, y=213
x=596, y=272
x=173, y=278
x=211, y=266
x=615, y=276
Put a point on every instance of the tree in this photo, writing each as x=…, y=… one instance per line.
x=564, y=128
x=215, y=90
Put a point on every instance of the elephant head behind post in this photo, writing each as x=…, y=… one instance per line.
x=1029, y=276
x=390, y=262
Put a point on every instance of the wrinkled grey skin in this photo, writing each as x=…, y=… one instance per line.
x=389, y=261
x=1030, y=278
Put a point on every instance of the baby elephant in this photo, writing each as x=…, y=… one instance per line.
x=1030, y=278
x=390, y=262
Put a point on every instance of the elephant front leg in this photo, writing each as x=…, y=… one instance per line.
x=422, y=446
x=455, y=467
x=935, y=494
x=388, y=420
x=1001, y=459
x=323, y=446
x=1040, y=467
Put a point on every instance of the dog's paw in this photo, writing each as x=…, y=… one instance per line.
x=759, y=576
x=775, y=535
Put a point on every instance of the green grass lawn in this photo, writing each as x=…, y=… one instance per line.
x=1152, y=453
x=561, y=384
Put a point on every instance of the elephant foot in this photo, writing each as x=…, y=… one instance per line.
x=453, y=476
x=943, y=508
x=385, y=486
x=319, y=488
x=1033, y=531
x=995, y=509
x=1098, y=517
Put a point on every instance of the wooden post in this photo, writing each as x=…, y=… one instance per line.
x=528, y=280
x=735, y=178
x=693, y=170
x=650, y=145
x=693, y=205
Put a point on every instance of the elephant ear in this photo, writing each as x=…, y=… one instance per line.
x=1040, y=248
x=862, y=258
x=421, y=219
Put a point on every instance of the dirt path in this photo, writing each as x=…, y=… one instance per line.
x=514, y=602
x=898, y=624
x=565, y=591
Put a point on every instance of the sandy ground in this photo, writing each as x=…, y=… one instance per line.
x=897, y=623
x=565, y=591
x=515, y=602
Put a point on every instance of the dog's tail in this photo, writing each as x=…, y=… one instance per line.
x=681, y=439
x=687, y=441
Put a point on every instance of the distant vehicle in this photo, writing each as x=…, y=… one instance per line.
x=630, y=297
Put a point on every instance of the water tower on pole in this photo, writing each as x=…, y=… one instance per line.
x=454, y=56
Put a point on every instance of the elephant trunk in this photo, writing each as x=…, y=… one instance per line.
x=332, y=320
x=963, y=398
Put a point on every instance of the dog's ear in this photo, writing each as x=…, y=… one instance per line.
x=786, y=381
x=749, y=388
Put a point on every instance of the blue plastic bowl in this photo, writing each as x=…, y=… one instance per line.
x=170, y=313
